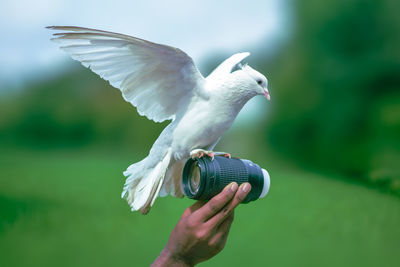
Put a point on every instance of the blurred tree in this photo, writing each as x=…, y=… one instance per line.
x=76, y=109
x=337, y=97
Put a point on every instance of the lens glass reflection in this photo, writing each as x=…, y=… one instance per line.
x=194, y=179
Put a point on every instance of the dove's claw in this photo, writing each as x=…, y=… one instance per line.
x=224, y=154
x=198, y=153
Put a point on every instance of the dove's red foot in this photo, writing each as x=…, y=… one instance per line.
x=198, y=153
x=224, y=154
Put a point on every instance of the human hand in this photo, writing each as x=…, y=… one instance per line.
x=203, y=228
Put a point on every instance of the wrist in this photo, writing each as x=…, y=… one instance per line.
x=167, y=258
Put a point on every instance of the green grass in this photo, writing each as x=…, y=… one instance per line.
x=62, y=208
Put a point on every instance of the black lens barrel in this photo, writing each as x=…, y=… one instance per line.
x=216, y=174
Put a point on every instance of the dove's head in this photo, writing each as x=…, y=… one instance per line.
x=239, y=79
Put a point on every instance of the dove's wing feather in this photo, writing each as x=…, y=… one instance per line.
x=153, y=77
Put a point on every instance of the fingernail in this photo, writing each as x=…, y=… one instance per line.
x=234, y=187
x=246, y=187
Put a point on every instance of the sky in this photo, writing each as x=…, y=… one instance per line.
x=197, y=27
x=200, y=28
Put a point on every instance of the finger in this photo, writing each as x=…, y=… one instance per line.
x=215, y=204
x=222, y=231
x=240, y=195
x=197, y=205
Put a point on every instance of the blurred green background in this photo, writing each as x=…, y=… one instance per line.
x=330, y=138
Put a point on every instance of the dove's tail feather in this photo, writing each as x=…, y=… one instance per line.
x=172, y=182
x=144, y=181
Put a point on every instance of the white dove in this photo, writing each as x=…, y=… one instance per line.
x=163, y=83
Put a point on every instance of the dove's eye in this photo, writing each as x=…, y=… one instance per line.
x=259, y=82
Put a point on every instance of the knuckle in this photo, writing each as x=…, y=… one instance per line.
x=186, y=212
x=227, y=195
x=241, y=196
x=216, y=203
x=190, y=223
x=215, y=246
x=213, y=206
x=212, y=243
x=197, y=235
x=226, y=210
x=201, y=235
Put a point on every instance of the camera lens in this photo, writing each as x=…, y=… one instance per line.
x=194, y=179
x=203, y=178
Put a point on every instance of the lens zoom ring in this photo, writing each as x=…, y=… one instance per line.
x=232, y=170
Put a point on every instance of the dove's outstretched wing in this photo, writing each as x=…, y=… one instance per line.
x=155, y=78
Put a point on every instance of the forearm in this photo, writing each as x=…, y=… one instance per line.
x=166, y=259
x=202, y=230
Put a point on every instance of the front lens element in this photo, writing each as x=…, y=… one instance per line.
x=194, y=178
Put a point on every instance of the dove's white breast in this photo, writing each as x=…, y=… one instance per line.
x=201, y=126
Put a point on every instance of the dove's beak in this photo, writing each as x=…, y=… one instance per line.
x=266, y=94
